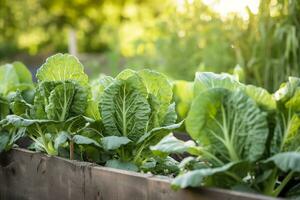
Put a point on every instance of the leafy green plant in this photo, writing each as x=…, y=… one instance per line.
x=136, y=112
x=111, y=121
x=246, y=139
x=56, y=115
x=15, y=81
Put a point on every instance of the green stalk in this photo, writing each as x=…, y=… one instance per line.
x=271, y=182
x=211, y=156
x=286, y=179
x=136, y=157
x=228, y=139
x=124, y=112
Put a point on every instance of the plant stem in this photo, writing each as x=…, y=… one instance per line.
x=286, y=179
x=71, y=149
x=268, y=190
x=209, y=155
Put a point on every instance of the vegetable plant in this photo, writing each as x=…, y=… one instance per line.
x=15, y=81
x=136, y=111
x=245, y=138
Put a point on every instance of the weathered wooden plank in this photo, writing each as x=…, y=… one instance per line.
x=33, y=176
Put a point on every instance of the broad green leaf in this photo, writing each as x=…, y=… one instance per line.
x=42, y=94
x=92, y=110
x=153, y=118
x=158, y=165
x=287, y=161
x=24, y=75
x=4, y=140
x=61, y=138
x=80, y=100
x=98, y=86
x=62, y=67
x=171, y=144
x=136, y=81
x=8, y=78
x=229, y=124
x=114, y=142
x=196, y=178
x=171, y=115
x=124, y=110
x=192, y=163
x=289, y=94
x=149, y=164
x=183, y=96
x=158, y=85
x=286, y=135
x=261, y=96
x=14, y=77
x=121, y=165
x=294, y=102
x=236, y=175
x=125, y=74
x=156, y=134
x=28, y=95
x=60, y=101
x=18, y=121
x=4, y=107
x=287, y=90
x=77, y=123
x=19, y=106
x=80, y=139
x=207, y=80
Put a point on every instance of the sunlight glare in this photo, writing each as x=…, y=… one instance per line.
x=225, y=7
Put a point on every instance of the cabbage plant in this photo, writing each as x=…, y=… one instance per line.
x=15, y=80
x=55, y=118
x=136, y=111
x=244, y=138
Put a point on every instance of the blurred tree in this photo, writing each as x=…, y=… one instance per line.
x=177, y=37
x=186, y=38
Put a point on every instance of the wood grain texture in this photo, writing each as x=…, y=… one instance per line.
x=34, y=176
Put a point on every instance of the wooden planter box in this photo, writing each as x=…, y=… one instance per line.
x=29, y=175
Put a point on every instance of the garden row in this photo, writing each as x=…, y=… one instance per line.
x=244, y=138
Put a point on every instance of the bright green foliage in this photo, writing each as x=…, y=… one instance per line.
x=125, y=111
x=247, y=138
x=230, y=124
x=14, y=77
x=4, y=107
x=112, y=122
x=244, y=137
x=114, y=142
x=62, y=67
x=287, y=161
x=206, y=80
x=136, y=112
x=60, y=101
x=171, y=144
x=195, y=178
x=183, y=96
x=15, y=82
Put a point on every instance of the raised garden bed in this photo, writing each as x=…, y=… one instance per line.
x=29, y=175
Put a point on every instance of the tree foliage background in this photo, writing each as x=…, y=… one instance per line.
x=113, y=34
